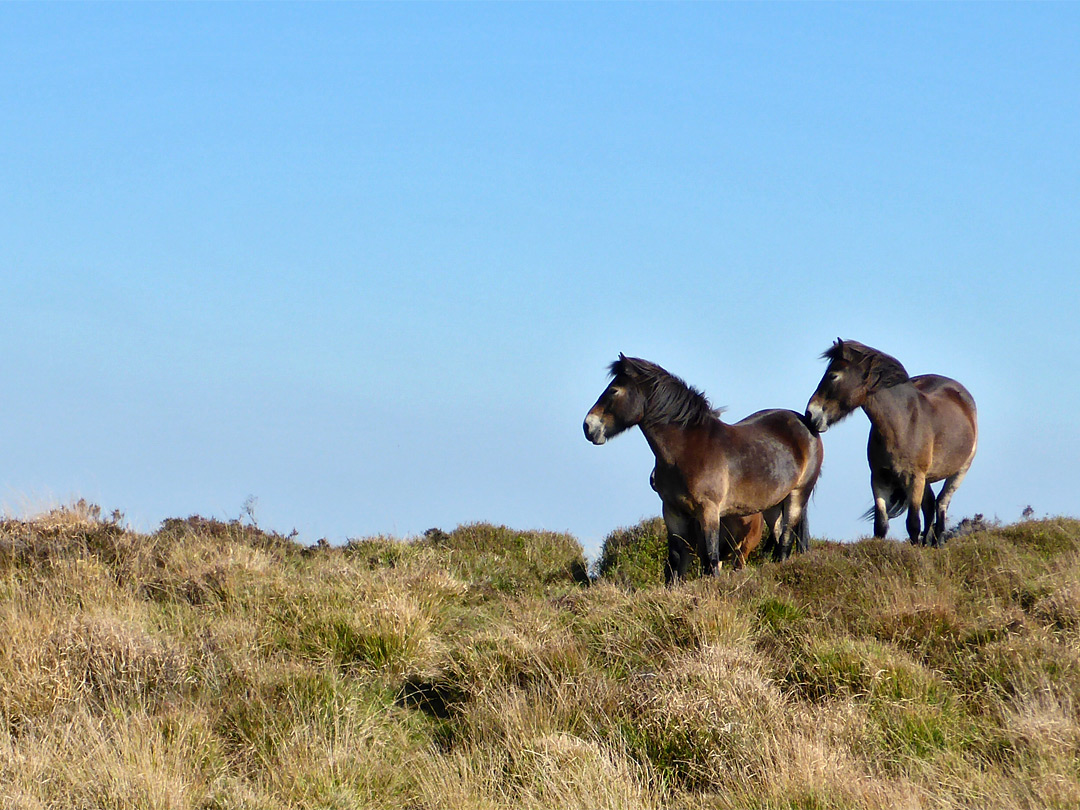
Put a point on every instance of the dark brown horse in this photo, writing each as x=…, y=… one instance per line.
x=706, y=469
x=922, y=430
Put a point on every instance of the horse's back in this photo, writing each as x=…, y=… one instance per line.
x=775, y=419
x=934, y=385
x=781, y=422
x=787, y=430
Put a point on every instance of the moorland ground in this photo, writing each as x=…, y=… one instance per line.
x=214, y=665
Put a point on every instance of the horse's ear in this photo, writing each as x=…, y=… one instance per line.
x=617, y=366
x=834, y=351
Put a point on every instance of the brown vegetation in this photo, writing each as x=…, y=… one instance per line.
x=212, y=665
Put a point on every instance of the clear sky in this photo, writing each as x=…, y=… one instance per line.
x=367, y=264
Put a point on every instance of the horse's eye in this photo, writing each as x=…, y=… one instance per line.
x=834, y=377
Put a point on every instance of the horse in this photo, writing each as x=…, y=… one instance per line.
x=922, y=430
x=707, y=469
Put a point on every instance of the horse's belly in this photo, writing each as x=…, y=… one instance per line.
x=765, y=484
x=757, y=501
x=742, y=497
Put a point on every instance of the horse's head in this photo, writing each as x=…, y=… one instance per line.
x=842, y=389
x=855, y=371
x=621, y=406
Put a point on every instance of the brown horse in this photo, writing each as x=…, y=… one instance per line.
x=922, y=430
x=706, y=469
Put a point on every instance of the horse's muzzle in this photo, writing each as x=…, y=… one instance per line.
x=816, y=418
x=594, y=429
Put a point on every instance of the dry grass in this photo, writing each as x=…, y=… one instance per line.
x=212, y=665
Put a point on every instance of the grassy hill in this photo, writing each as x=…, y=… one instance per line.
x=212, y=665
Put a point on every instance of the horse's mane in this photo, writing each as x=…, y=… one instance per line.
x=881, y=370
x=669, y=400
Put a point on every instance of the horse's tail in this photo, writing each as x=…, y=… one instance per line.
x=895, y=505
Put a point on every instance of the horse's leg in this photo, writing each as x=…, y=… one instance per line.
x=781, y=529
x=731, y=532
x=800, y=530
x=915, y=498
x=681, y=539
x=793, y=506
x=684, y=539
x=709, y=523
x=929, y=536
x=948, y=489
x=673, y=565
x=881, y=486
x=774, y=519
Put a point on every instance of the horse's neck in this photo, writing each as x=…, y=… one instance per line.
x=669, y=442
x=665, y=441
x=659, y=439
x=890, y=408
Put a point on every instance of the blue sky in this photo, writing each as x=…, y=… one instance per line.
x=368, y=263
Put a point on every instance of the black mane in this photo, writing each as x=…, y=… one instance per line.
x=881, y=370
x=668, y=400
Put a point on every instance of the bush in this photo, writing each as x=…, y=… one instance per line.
x=634, y=557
